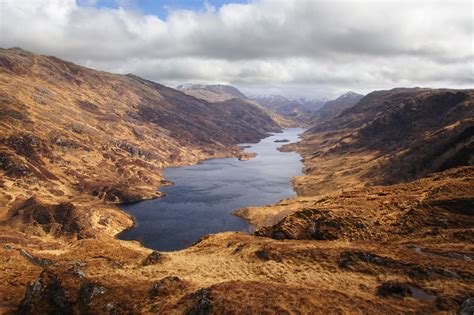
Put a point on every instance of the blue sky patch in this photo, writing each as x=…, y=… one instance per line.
x=159, y=8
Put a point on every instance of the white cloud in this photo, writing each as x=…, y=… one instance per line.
x=296, y=47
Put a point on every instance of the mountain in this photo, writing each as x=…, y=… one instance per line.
x=415, y=131
x=389, y=137
x=336, y=106
x=289, y=112
x=289, y=109
x=211, y=93
x=311, y=104
x=61, y=122
x=289, y=106
x=230, y=94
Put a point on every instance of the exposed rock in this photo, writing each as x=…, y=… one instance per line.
x=392, y=288
x=42, y=262
x=167, y=286
x=77, y=128
x=467, y=307
x=13, y=167
x=166, y=183
x=89, y=291
x=317, y=224
x=45, y=296
x=268, y=253
x=202, y=303
x=153, y=258
x=60, y=219
x=49, y=151
x=346, y=221
x=44, y=91
x=135, y=151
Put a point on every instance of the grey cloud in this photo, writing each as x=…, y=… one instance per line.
x=299, y=46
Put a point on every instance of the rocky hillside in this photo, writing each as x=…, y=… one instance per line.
x=60, y=123
x=410, y=132
x=335, y=107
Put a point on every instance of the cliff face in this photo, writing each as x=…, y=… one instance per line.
x=67, y=130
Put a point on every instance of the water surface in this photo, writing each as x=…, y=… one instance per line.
x=204, y=195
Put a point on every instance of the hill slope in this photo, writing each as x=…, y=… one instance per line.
x=335, y=107
x=61, y=122
x=212, y=92
x=410, y=132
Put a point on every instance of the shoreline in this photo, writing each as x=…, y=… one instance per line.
x=237, y=155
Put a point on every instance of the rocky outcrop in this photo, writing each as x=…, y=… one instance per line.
x=467, y=307
x=167, y=286
x=154, y=258
x=392, y=288
x=58, y=220
x=46, y=296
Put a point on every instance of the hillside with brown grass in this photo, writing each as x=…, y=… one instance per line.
x=69, y=131
x=359, y=238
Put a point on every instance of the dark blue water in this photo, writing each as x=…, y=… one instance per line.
x=204, y=195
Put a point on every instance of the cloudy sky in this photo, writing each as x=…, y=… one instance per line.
x=295, y=48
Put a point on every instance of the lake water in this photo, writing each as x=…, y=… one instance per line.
x=204, y=195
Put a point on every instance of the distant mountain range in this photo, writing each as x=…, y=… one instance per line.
x=286, y=105
x=300, y=110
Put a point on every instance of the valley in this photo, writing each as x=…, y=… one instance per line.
x=382, y=220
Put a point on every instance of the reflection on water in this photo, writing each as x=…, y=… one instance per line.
x=204, y=195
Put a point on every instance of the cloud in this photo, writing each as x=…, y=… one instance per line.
x=310, y=47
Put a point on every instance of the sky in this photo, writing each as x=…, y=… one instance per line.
x=294, y=48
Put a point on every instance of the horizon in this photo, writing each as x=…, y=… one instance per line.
x=312, y=49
